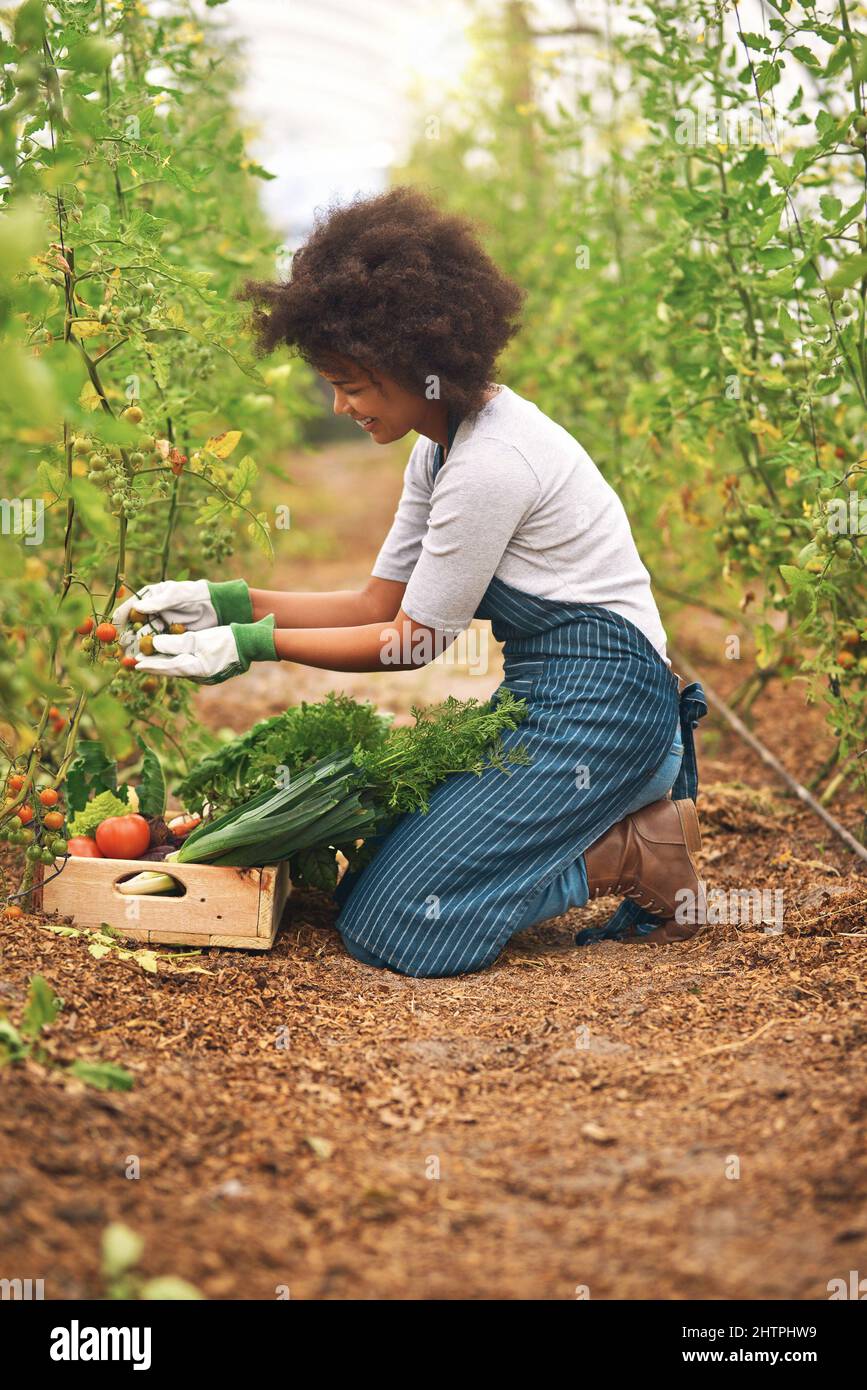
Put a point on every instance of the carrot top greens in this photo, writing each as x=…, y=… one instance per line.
x=321, y=777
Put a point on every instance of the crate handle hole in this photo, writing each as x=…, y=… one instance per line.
x=157, y=868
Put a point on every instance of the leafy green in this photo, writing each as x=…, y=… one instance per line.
x=103, y=806
x=354, y=793
x=103, y=1076
x=91, y=771
x=279, y=747
x=152, y=785
x=42, y=1007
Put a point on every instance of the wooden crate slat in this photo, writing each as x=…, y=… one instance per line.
x=222, y=906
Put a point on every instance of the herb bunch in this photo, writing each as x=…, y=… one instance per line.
x=351, y=793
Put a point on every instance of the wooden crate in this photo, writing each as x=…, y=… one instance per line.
x=222, y=906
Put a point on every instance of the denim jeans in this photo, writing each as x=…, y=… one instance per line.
x=570, y=888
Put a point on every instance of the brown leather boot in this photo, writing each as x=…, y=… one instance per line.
x=648, y=858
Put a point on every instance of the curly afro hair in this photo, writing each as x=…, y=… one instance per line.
x=395, y=285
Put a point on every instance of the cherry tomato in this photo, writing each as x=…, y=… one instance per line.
x=123, y=837
x=53, y=820
x=25, y=814
x=128, y=662
x=13, y=910
x=16, y=782
x=48, y=796
x=83, y=847
x=84, y=628
x=106, y=632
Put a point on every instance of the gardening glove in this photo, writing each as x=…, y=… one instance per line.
x=210, y=656
x=197, y=603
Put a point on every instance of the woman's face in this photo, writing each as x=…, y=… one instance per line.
x=380, y=406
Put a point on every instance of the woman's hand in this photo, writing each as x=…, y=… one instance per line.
x=210, y=655
x=194, y=603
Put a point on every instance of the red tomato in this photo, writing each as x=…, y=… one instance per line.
x=83, y=847
x=123, y=837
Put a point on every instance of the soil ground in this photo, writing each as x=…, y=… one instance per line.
x=683, y=1122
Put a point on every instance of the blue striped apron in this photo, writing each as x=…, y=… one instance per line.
x=447, y=888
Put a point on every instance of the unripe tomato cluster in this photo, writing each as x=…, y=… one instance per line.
x=217, y=544
x=750, y=544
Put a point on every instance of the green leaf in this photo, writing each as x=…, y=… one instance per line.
x=92, y=771
x=168, y=1287
x=768, y=75
x=775, y=256
x=42, y=1007
x=755, y=41
x=805, y=55
x=90, y=509
x=152, y=784
x=784, y=174
x=852, y=269
x=121, y=1249
x=11, y=1042
x=51, y=477
x=103, y=1076
x=316, y=868
x=787, y=325
x=796, y=578
x=830, y=207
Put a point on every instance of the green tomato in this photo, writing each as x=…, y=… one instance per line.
x=844, y=549
x=58, y=846
x=26, y=836
x=807, y=554
x=47, y=856
x=33, y=852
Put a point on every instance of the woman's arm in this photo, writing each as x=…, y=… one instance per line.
x=399, y=644
x=377, y=602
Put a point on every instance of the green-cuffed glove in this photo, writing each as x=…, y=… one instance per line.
x=212, y=655
x=196, y=603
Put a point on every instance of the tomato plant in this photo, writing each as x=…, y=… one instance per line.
x=128, y=215
x=688, y=221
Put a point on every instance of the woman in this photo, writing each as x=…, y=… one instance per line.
x=503, y=516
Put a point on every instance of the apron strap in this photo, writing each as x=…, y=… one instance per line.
x=452, y=429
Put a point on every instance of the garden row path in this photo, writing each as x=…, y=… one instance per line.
x=619, y=1121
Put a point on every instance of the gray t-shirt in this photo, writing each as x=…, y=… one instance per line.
x=517, y=498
